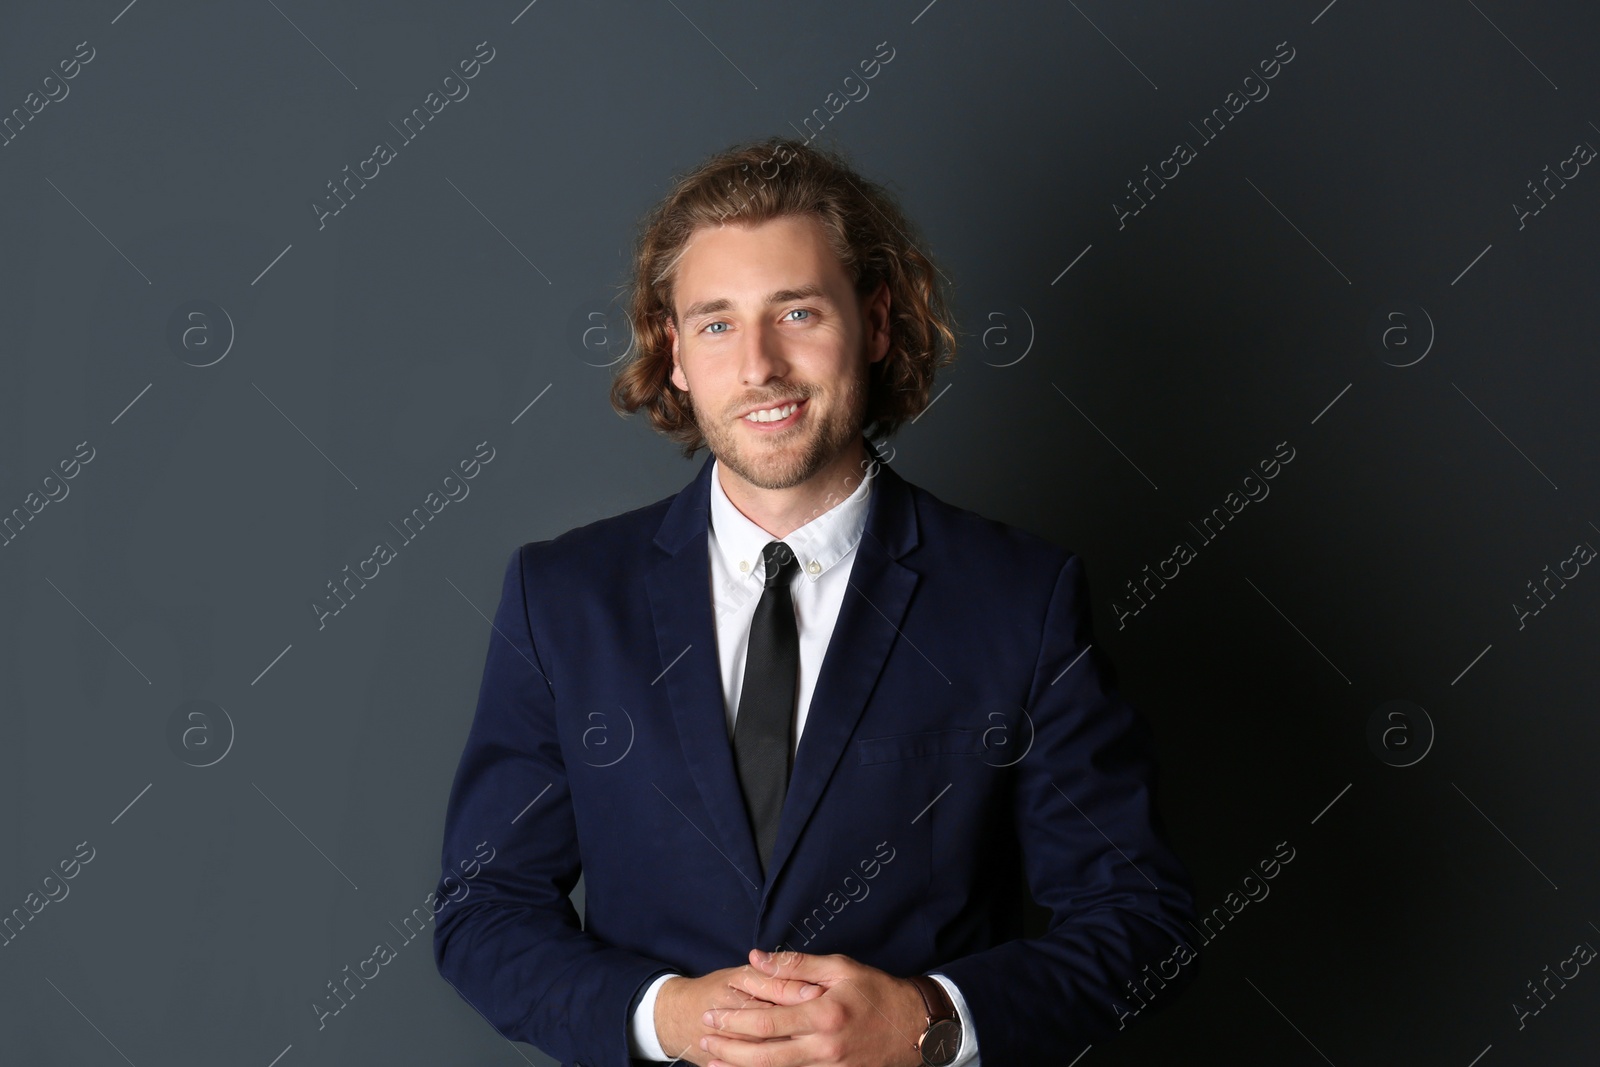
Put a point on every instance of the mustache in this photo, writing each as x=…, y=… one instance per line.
x=768, y=401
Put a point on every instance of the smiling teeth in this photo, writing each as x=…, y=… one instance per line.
x=772, y=414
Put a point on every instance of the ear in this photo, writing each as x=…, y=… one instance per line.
x=678, y=378
x=876, y=313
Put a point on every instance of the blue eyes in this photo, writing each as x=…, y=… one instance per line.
x=708, y=327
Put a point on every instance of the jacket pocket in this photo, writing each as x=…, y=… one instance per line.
x=958, y=741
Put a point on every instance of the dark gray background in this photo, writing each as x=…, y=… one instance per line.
x=1235, y=312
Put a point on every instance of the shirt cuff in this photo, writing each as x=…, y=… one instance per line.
x=642, y=1040
x=967, y=1055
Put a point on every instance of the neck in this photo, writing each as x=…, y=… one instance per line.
x=780, y=512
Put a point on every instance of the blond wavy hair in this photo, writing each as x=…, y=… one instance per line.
x=875, y=242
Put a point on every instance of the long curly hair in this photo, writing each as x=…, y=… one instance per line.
x=875, y=242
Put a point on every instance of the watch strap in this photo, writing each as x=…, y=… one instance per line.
x=934, y=998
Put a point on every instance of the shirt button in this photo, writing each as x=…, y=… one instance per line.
x=814, y=567
x=744, y=565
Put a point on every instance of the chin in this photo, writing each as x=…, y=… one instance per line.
x=777, y=466
x=774, y=472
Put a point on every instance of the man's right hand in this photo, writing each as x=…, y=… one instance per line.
x=681, y=1003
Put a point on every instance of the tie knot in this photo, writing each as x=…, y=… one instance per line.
x=776, y=560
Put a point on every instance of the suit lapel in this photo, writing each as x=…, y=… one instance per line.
x=870, y=616
x=679, y=587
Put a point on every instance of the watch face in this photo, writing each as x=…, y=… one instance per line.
x=940, y=1043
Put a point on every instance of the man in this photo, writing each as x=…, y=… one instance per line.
x=809, y=733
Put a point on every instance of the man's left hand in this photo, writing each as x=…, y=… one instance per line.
x=864, y=1018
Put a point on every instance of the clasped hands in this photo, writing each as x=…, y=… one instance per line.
x=792, y=1009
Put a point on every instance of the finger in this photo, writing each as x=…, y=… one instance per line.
x=789, y=963
x=731, y=997
x=730, y=1051
x=785, y=963
x=752, y=984
x=761, y=1021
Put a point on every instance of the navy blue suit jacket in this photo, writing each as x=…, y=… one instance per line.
x=965, y=742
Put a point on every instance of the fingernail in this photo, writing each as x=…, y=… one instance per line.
x=708, y=1018
x=705, y=1043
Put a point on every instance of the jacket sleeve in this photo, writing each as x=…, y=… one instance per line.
x=1094, y=852
x=507, y=937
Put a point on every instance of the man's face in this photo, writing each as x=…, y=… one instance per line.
x=766, y=316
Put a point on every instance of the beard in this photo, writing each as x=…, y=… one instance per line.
x=789, y=457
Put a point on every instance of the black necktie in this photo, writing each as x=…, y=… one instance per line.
x=763, y=731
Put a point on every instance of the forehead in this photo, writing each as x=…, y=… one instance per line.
x=743, y=262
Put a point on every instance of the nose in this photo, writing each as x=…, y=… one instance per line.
x=761, y=355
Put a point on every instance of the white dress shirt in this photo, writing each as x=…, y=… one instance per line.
x=825, y=547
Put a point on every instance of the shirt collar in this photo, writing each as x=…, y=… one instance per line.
x=818, y=544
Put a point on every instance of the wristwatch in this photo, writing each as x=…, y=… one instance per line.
x=941, y=1041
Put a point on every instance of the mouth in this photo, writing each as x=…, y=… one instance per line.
x=794, y=409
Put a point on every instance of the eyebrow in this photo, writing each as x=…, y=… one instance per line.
x=781, y=296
